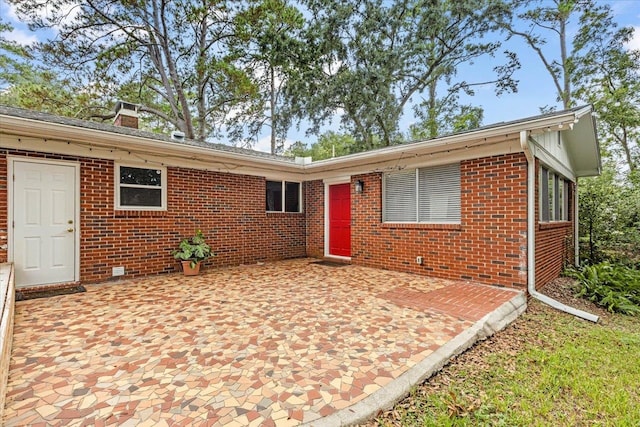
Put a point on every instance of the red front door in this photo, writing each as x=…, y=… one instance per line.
x=340, y=220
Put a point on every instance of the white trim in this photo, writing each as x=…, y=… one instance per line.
x=116, y=194
x=283, y=186
x=327, y=184
x=549, y=159
x=558, y=181
x=531, y=238
x=208, y=160
x=11, y=160
x=337, y=180
x=491, y=140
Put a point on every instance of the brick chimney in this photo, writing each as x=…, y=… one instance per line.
x=126, y=115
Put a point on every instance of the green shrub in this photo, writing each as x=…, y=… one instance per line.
x=615, y=287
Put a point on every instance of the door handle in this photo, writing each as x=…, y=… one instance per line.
x=70, y=230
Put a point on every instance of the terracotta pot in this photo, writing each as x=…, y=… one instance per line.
x=188, y=271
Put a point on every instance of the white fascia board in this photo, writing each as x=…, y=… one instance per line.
x=105, y=144
x=484, y=140
x=453, y=142
x=412, y=160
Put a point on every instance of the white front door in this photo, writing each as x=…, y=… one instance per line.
x=44, y=223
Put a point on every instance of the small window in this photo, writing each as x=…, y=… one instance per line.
x=425, y=195
x=139, y=188
x=283, y=194
x=554, y=197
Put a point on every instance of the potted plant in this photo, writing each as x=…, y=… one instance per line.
x=192, y=252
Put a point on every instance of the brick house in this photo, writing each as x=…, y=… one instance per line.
x=84, y=202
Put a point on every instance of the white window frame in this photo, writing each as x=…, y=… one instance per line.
x=556, y=203
x=417, y=195
x=283, y=184
x=118, y=185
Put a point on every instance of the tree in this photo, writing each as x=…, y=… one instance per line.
x=329, y=144
x=270, y=52
x=592, y=65
x=374, y=57
x=25, y=84
x=607, y=76
x=13, y=58
x=609, y=218
x=548, y=22
x=444, y=115
x=175, y=53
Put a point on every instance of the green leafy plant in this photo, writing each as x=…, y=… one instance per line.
x=615, y=287
x=193, y=249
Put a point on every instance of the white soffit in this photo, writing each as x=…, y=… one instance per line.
x=487, y=141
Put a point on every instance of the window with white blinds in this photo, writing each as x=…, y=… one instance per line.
x=425, y=195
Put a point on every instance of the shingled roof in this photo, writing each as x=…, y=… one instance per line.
x=51, y=118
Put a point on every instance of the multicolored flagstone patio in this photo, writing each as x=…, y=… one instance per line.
x=277, y=344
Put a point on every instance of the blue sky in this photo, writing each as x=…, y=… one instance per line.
x=535, y=87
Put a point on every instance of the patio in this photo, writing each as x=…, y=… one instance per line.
x=277, y=344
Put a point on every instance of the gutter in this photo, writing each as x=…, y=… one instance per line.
x=444, y=143
x=12, y=125
x=531, y=240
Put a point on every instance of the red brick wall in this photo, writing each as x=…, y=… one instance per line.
x=554, y=240
x=314, y=206
x=488, y=246
x=237, y=228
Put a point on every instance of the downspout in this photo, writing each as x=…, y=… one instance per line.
x=531, y=238
x=576, y=223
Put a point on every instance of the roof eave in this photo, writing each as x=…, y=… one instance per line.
x=62, y=132
x=442, y=143
x=586, y=157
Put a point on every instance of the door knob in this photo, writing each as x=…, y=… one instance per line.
x=70, y=230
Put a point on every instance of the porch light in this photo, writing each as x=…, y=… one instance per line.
x=359, y=186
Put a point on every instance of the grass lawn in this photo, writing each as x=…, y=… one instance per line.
x=548, y=368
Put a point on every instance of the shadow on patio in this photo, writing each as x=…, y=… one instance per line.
x=275, y=344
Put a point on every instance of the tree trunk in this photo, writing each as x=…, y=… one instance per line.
x=566, y=73
x=624, y=141
x=272, y=107
x=432, y=114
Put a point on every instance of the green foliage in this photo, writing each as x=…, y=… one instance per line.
x=607, y=75
x=609, y=218
x=615, y=287
x=272, y=52
x=14, y=58
x=548, y=369
x=193, y=249
x=444, y=116
x=541, y=22
x=591, y=65
x=373, y=58
x=329, y=145
x=175, y=54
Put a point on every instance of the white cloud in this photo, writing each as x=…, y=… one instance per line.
x=65, y=14
x=9, y=11
x=264, y=144
x=21, y=37
x=634, y=43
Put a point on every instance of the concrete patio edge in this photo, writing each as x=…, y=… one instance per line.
x=393, y=392
x=7, y=308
